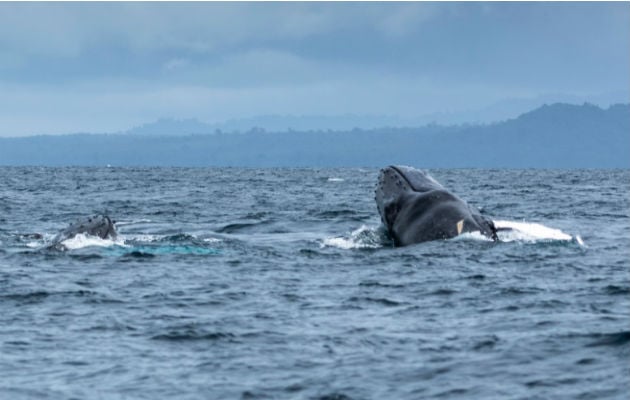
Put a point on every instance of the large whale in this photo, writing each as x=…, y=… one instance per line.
x=97, y=225
x=415, y=208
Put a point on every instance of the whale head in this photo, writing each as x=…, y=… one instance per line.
x=101, y=226
x=395, y=183
x=415, y=208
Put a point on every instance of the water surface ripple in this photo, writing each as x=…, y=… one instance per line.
x=279, y=283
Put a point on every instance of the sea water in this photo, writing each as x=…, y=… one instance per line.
x=280, y=283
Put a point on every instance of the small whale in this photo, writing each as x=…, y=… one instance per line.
x=415, y=208
x=97, y=225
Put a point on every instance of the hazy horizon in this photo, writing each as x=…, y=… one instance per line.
x=107, y=67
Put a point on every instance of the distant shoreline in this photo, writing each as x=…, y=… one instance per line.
x=552, y=136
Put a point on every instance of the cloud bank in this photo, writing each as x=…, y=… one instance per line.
x=67, y=67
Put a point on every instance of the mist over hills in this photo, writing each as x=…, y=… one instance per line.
x=499, y=111
x=552, y=136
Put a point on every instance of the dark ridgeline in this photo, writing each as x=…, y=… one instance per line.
x=552, y=136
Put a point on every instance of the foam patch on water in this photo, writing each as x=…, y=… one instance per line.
x=335, y=179
x=132, y=222
x=146, y=238
x=361, y=238
x=530, y=232
x=37, y=243
x=472, y=236
x=81, y=241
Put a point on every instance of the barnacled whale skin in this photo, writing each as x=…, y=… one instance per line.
x=96, y=225
x=415, y=208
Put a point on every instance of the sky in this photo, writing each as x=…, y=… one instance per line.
x=106, y=67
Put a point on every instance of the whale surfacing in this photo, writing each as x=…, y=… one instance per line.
x=97, y=225
x=415, y=208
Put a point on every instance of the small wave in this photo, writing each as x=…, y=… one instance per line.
x=486, y=343
x=152, y=251
x=178, y=238
x=377, y=300
x=612, y=339
x=136, y=254
x=336, y=179
x=40, y=295
x=81, y=241
x=192, y=334
x=133, y=222
x=530, y=232
x=381, y=285
x=443, y=292
x=334, y=396
x=28, y=297
x=238, y=227
x=617, y=290
x=361, y=238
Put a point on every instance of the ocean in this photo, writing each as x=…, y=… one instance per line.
x=228, y=283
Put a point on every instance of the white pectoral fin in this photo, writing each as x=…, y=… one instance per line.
x=460, y=227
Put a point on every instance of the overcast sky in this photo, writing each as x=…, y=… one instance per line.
x=104, y=67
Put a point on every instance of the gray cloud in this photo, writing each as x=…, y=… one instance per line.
x=105, y=66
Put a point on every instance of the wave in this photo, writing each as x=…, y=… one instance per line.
x=621, y=338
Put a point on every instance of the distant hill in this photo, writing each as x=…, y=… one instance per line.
x=552, y=136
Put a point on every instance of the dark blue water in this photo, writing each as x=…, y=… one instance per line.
x=278, y=283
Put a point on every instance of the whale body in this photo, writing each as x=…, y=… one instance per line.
x=415, y=208
x=97, y=225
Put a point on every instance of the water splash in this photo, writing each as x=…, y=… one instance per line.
x=362, y=238
x=372, y=238
x=472, y=236
x=81, y=241
x=530, y=232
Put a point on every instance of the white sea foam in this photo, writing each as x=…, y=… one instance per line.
x=530, y=232
x=472, y=236
x=370, y=238
x=361, y=238
x=579, y=240
x=149, y=238
x=36, y=244
x=143, y=237
x=336, y=179
x=81, y=241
